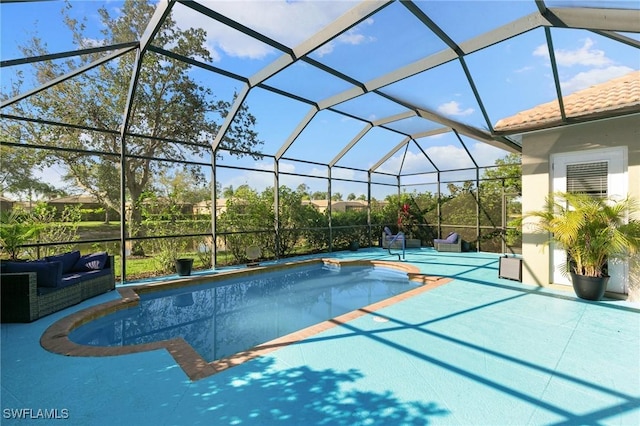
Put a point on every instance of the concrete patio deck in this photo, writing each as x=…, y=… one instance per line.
x=479, y=350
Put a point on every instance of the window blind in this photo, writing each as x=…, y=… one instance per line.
x=588, y=178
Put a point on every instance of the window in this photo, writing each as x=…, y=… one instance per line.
x=588, y=178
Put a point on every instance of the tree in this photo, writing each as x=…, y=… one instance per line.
x=303, y=190
x=319, y=195
x=247, y=212
x=181, y=187
x=17, y=173
x=506, y=175
x=502, y=184
x=459, y=208
x=168, y=106
x=227, y=192
x=294, y=219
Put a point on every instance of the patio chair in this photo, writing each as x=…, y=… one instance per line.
x=453, y=243
x=253, y=252
x=394, y=239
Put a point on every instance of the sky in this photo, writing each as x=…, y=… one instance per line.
x=511, y=76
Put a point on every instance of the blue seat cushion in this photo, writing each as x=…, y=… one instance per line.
x=452, y=238
x=76, y=277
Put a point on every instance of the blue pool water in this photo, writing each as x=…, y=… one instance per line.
x=234, y=315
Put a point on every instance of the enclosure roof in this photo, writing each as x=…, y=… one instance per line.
x=401, y=87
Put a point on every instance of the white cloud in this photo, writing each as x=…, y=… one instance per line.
x=352, y=37
x=485, y=154
x=524, y=69
x=453, y=108
x=340, y=173
x=287, y=22
x=256, y=180
x=582, y=56
x=445, y=157
x=449, y=157
x=326, y=49
x=598, y=68
x=541, y=51
x=586, y=79
x=585, y=55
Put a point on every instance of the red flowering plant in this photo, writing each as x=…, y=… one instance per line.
x=407, y=223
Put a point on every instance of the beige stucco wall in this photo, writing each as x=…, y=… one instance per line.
x=537, y=149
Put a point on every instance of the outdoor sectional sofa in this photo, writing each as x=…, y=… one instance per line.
x=453, y=243
x=33, y=289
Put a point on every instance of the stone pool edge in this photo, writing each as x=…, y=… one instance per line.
x=55, y=339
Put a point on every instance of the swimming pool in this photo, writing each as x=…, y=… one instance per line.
x=221, y=319
x=214, y=322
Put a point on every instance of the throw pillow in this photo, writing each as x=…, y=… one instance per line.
x=90, y=262
x=68, y=260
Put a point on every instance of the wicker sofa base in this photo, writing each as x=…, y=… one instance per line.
x=22, y=303
x=450, y=247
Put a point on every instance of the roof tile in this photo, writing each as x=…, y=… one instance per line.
x=613, y=95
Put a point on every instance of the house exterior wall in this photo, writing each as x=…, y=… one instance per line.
x=6, y=205
x=537, y=149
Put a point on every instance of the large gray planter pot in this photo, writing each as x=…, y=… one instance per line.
x=589, y=288
x=183, y=266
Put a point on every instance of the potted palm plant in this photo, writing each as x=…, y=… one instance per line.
x=593, y=231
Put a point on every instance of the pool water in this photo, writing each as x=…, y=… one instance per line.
x=234, y=315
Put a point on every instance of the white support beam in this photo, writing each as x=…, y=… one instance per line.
x=347, y=95
x=395, y=149
x=296, y=132
x=68, y=75
x=350, y=145
x=229, y=118
x=358, y=13
x=469, y=131
x=512, y=29
x=417, y=67
x=343, y=23
x=435, y=132
x=392, y=118
x=163, y=9
x=273, y=68
x=622, y=20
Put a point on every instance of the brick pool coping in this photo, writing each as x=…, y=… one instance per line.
x=56, y=338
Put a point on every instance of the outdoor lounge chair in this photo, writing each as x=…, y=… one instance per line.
x=452, y=243
x=394, y=239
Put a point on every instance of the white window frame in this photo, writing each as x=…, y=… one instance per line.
x=617, y=188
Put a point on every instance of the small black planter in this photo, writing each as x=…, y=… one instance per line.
x=589, y=288
x=354, y=246
x=183, y=266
